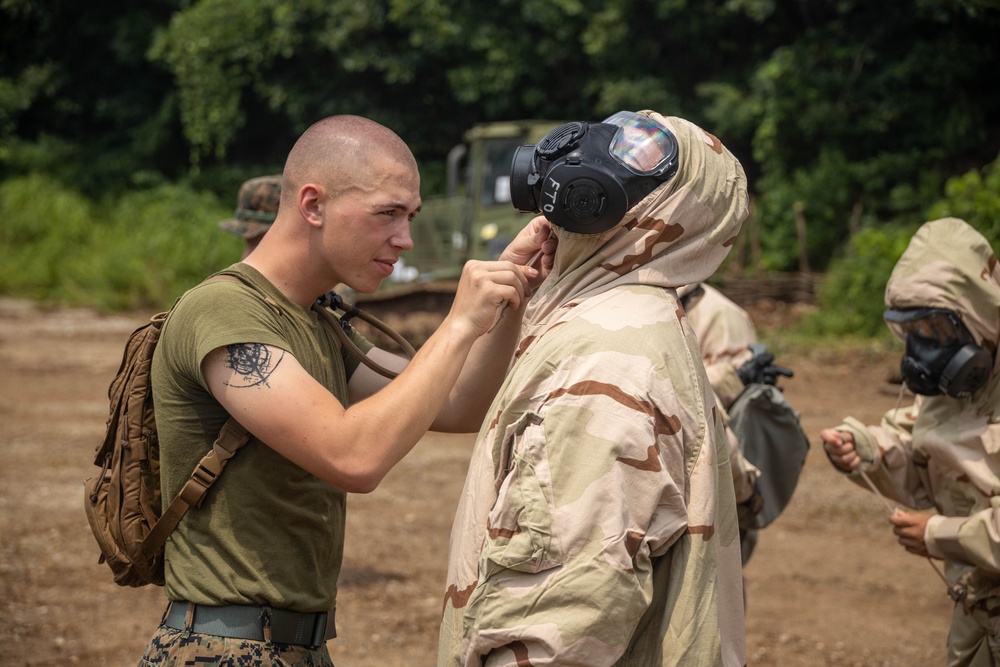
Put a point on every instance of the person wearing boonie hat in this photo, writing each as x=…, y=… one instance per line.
x=256, y=208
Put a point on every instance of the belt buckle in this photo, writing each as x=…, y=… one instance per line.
x=319, y=630
x=304, y=629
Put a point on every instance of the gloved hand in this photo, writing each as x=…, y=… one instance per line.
x=760, y=369
x=747, y=510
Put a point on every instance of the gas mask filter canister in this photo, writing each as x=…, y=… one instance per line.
x=585, y=177
x=940, y=356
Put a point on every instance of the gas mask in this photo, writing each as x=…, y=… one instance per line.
x=585, y=177
x=941, y=355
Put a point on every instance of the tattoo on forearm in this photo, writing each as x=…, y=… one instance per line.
x=252, y=362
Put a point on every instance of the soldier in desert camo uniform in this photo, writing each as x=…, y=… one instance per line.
x=735, y=360
x=725, y=333
x=943, y=452
x=598, y=521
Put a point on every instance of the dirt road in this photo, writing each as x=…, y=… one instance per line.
x=827, y=584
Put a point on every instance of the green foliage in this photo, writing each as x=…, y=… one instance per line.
x=857, y=111
x=216, y=49
x=851, y=296
x=139, y=251
x=975, y=198
x=74, y=76
x=824, y=193
x=17, y=94
x=849, y=114
x=43, y=225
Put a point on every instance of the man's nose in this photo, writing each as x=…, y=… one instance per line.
x=402, y=239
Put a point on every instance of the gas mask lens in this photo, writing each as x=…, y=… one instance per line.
x=642, y=144
x=930, y=324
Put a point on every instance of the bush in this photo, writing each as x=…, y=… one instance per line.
x=975, y=198
x=825, y=193
x=43, y=225
x=851, y=296
x=139, y=251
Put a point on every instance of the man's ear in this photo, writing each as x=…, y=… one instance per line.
x=311, y=201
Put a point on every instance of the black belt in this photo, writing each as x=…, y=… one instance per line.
x=250, y=622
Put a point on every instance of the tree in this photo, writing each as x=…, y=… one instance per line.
x=869, y=103
x=79, y=99
x=837, y=106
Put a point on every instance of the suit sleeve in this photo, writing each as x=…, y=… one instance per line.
x=888, y=459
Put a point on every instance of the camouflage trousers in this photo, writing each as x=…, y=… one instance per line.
x=176, y=648
x=974, y=635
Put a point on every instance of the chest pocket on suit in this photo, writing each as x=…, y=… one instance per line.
x=519, y=533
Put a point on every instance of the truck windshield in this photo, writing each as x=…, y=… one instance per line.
x=496, y=171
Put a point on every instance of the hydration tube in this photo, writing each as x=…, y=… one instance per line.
x=333, y=301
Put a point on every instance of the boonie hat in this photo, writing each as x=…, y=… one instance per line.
x=256, y=207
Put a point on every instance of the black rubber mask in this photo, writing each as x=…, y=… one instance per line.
x=585, y=177
x=941, y=355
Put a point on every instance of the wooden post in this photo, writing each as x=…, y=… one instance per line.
x=754, y=237
x=738, y=255
x=738, y=263
x=855, y=222
x=800, y=232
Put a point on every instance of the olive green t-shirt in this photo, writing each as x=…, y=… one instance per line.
x=268, y=532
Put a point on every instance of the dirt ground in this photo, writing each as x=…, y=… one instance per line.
x=827, y=584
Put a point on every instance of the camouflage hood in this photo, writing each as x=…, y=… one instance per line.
x=678, y=235
x=948, y=264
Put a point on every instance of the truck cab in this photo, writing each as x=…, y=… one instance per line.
x=475, y=218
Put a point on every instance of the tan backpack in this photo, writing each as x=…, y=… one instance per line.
x=123, y=503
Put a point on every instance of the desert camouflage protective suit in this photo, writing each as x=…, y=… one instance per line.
x=942, y=452
x=725, y=333
x=598, y=521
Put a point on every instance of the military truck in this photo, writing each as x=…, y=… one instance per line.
x=473, y=220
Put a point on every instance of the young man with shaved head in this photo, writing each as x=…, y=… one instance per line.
x=251, y=575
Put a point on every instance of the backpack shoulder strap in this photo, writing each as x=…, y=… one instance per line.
x=231, y=438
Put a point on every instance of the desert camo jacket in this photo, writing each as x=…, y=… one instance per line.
x=941, y=452
x=725, y=333
x=597, y=525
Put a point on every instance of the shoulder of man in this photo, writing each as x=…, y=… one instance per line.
x=223, y=310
